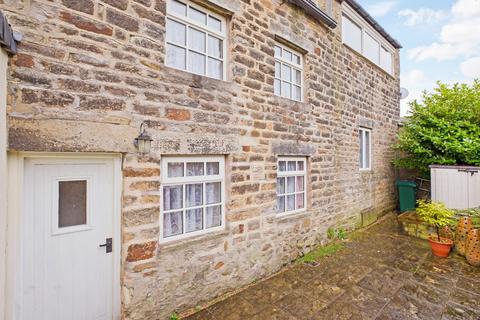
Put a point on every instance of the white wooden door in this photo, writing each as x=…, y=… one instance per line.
x=68, y=214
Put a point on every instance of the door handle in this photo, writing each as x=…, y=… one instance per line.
x=108, y=245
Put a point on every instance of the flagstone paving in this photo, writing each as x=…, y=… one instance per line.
x=380, y=274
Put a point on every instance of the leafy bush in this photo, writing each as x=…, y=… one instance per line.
x=435, y=214
x=443, y=128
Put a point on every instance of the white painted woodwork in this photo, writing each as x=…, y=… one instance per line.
x=458, y=187
x=65, y=274
x=3, y=175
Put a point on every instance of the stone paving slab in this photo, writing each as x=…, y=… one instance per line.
x=380, y=274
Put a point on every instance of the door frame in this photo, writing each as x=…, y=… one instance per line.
x=16, y=176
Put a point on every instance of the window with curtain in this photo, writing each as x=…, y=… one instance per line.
x=365, y=136
x=192, y=196
x=291, y=184
x=288, y=81
x=195, y=39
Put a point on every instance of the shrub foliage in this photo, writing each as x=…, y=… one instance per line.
x=435, y=214
x=443, y=128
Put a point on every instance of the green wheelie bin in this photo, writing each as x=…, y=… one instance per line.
x=407, y=191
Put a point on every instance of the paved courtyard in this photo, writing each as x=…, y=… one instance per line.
x=380, y=274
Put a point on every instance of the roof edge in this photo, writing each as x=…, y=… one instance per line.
x=7, y=38
x=365, y=15
x=313, y=10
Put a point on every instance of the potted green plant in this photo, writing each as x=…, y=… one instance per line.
x=439, y=216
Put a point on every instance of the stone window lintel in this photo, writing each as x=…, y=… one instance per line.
x=283, y=148
x=365, y=123
x=287, y=41
x=224, y=7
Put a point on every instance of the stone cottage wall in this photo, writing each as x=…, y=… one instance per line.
x=89, y=72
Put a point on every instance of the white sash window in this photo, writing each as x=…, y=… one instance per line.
x=195, y=39
x=291, y=184
x=193, y=196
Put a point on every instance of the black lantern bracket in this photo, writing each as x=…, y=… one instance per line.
x=143, y=141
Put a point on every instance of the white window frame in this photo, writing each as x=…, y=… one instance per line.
x=188, y=22
x=350, y=14
x=171, y=181
x=285, y=174
x=388, y=69
x=56, y=230
x=292, y=65
x=363, y=154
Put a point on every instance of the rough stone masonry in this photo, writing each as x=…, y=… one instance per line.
x=89, y=72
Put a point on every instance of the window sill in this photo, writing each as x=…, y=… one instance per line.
x=193, y=79
x=365, y=170
x=295, y=215
x=289, y=100
x=185, y=242
x=286, y=102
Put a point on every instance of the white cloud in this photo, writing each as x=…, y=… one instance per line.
x=466, y=8
x=412, y=78
x=415, y=81
x=421, y=16
x=381, y=8
x=471, y=67
x=440, y=51
x=459, y=38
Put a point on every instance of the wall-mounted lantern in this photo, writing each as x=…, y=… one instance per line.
x=143, y=142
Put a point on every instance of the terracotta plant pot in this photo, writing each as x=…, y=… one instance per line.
x=461, y=234
x=472, y=251
x=440, y=249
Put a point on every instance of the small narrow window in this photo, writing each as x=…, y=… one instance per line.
x=371, y=49
x=386, y=60
x=365, y=148
x=195, y=39
x=72, y=203
x=288, y=81
x=291, y=184
x=192, y=196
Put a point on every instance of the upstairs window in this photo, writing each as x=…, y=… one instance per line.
x=193, y=196
x=361, y=37
x=291, y=184
x=351, y=34
x=365, y=136
x=371, y=48
x=288, y=81
x=386, y=60
x=195, y=39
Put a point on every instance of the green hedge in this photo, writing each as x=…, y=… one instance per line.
x=443, y=128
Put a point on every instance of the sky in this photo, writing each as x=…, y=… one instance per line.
x=440, y=39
